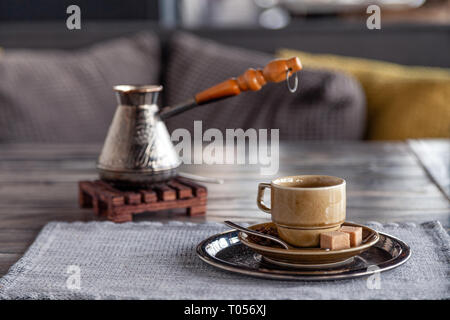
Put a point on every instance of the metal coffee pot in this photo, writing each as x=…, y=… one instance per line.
x=138, y=150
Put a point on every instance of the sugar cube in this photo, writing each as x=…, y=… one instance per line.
x=355, y=235
x=334, y=240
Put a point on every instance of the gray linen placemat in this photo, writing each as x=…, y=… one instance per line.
x=151, y=260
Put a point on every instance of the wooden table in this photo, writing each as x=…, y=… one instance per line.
x=386, y=182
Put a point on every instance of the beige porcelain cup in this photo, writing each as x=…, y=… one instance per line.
x=304, y=206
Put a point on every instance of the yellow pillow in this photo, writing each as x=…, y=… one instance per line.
x=402, y=102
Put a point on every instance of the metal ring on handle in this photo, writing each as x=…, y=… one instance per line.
x=291, y=89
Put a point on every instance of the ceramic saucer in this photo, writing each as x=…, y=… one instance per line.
x=306, y=257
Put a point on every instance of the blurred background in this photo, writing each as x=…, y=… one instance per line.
x=415, y=31
x=386, y=84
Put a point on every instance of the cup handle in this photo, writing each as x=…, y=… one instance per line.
x=259, y=199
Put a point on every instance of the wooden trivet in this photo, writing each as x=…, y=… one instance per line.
x=120, y=206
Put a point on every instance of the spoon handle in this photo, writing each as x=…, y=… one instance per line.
x=200, y=178
x=256, y=233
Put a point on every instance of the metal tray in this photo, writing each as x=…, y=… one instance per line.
x=225, y=251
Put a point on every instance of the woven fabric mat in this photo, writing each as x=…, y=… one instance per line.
x=151, y=260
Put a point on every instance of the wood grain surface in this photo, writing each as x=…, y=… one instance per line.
x=434, y=154
x=386, y=182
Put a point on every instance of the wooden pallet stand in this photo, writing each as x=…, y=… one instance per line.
x=120, y=206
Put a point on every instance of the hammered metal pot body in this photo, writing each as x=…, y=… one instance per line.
x=138, y=150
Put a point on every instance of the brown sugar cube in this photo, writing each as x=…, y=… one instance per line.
x=334, y=240
x=355, y=235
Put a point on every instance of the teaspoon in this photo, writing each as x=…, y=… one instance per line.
x=258, y=234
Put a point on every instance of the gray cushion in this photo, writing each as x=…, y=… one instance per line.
x=66, y=96
x=327, y=105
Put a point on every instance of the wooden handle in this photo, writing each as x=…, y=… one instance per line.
x=274, y=71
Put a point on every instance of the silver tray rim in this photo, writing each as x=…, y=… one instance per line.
x=224, y=265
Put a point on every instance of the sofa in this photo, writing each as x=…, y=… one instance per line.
x=65, y=96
